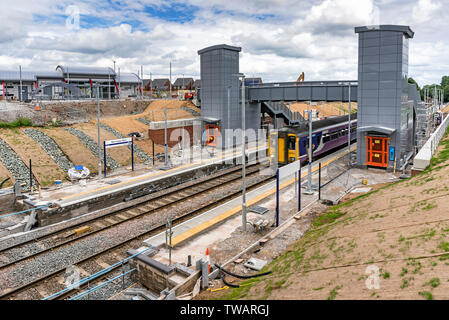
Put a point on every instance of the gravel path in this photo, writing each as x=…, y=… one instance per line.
x=93, y=147
x=14, y=164
x=50, y=146
x=139, y=152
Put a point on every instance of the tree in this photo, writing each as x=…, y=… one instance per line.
x=421, y=93
x=445, y=81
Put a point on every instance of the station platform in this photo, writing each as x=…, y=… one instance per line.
x=71, y=194
x=188, y=230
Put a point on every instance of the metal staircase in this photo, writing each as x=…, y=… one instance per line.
x=279, y=109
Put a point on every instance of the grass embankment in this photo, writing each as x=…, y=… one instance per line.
x=400, y=230
x=21, y=122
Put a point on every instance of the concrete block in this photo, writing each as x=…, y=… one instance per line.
x=255, y=264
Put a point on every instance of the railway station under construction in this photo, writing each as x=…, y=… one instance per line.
x=241, y=175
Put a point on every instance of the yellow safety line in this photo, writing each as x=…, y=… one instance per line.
x=148, y=176
x=205, y=225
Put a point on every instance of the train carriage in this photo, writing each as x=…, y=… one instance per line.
x=327, y=135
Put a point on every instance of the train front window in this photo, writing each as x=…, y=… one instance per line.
x=292, y=143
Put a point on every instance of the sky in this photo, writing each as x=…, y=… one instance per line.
x=280, y=39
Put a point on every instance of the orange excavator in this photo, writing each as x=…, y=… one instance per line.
x=301, y=78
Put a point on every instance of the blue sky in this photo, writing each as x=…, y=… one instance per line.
x=279, y=38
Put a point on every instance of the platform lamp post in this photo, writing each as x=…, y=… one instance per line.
x=241, y=75
x=98, y=126
x=309, y=179
x=349, y=124
x=229, y=117
x=21, y=90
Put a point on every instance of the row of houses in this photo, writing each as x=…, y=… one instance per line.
x=68, y=83
x=163, y=84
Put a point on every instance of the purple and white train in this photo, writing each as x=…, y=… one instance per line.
x=327, y=135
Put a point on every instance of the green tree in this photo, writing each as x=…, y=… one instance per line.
x=445, y=81
x=411, y=80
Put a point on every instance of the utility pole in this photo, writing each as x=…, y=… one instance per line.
x=170, y=80
x=241, y=75
x=98, y=125
x=119, y=78
x=349, y=124
x=109, y=83
x=141, y=81
x=151, y=85
x=165, y=137
x=243, y=155
x=21, y=91
x=229, y=117
x=309, y=182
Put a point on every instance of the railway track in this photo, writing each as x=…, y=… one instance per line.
x=45, y=243
x=51, y=282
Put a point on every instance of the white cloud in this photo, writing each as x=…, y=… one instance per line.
x=424, y=10
x=279, y=38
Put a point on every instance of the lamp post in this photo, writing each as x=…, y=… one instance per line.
x=229, y=116
x=98, y=126
x=309, y=181
x=170, y=80
x=349, y=124
x=241, y=75
x=21, y=90
x=119, y=89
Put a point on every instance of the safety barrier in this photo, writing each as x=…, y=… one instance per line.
x=422, y=159
x=24, y=211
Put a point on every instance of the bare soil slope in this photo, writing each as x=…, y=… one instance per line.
x=45, y=168
x=327, y=109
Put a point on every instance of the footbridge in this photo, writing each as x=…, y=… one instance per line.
x=303, y=91
x=272, y=96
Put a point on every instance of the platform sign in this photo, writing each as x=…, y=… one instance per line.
x=289, y=169
x=118, y=143
x=283, y=172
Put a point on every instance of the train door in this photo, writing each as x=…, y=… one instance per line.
x=377, y=151
x=293, y=147
x=281, y=151
x=212, y=134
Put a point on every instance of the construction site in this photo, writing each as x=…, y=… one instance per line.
x=227, y=188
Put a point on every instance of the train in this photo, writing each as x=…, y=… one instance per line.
x=327, y=135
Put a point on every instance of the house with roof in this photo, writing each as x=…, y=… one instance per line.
x=183, y=84
x=161, y=84
x=196, y=84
